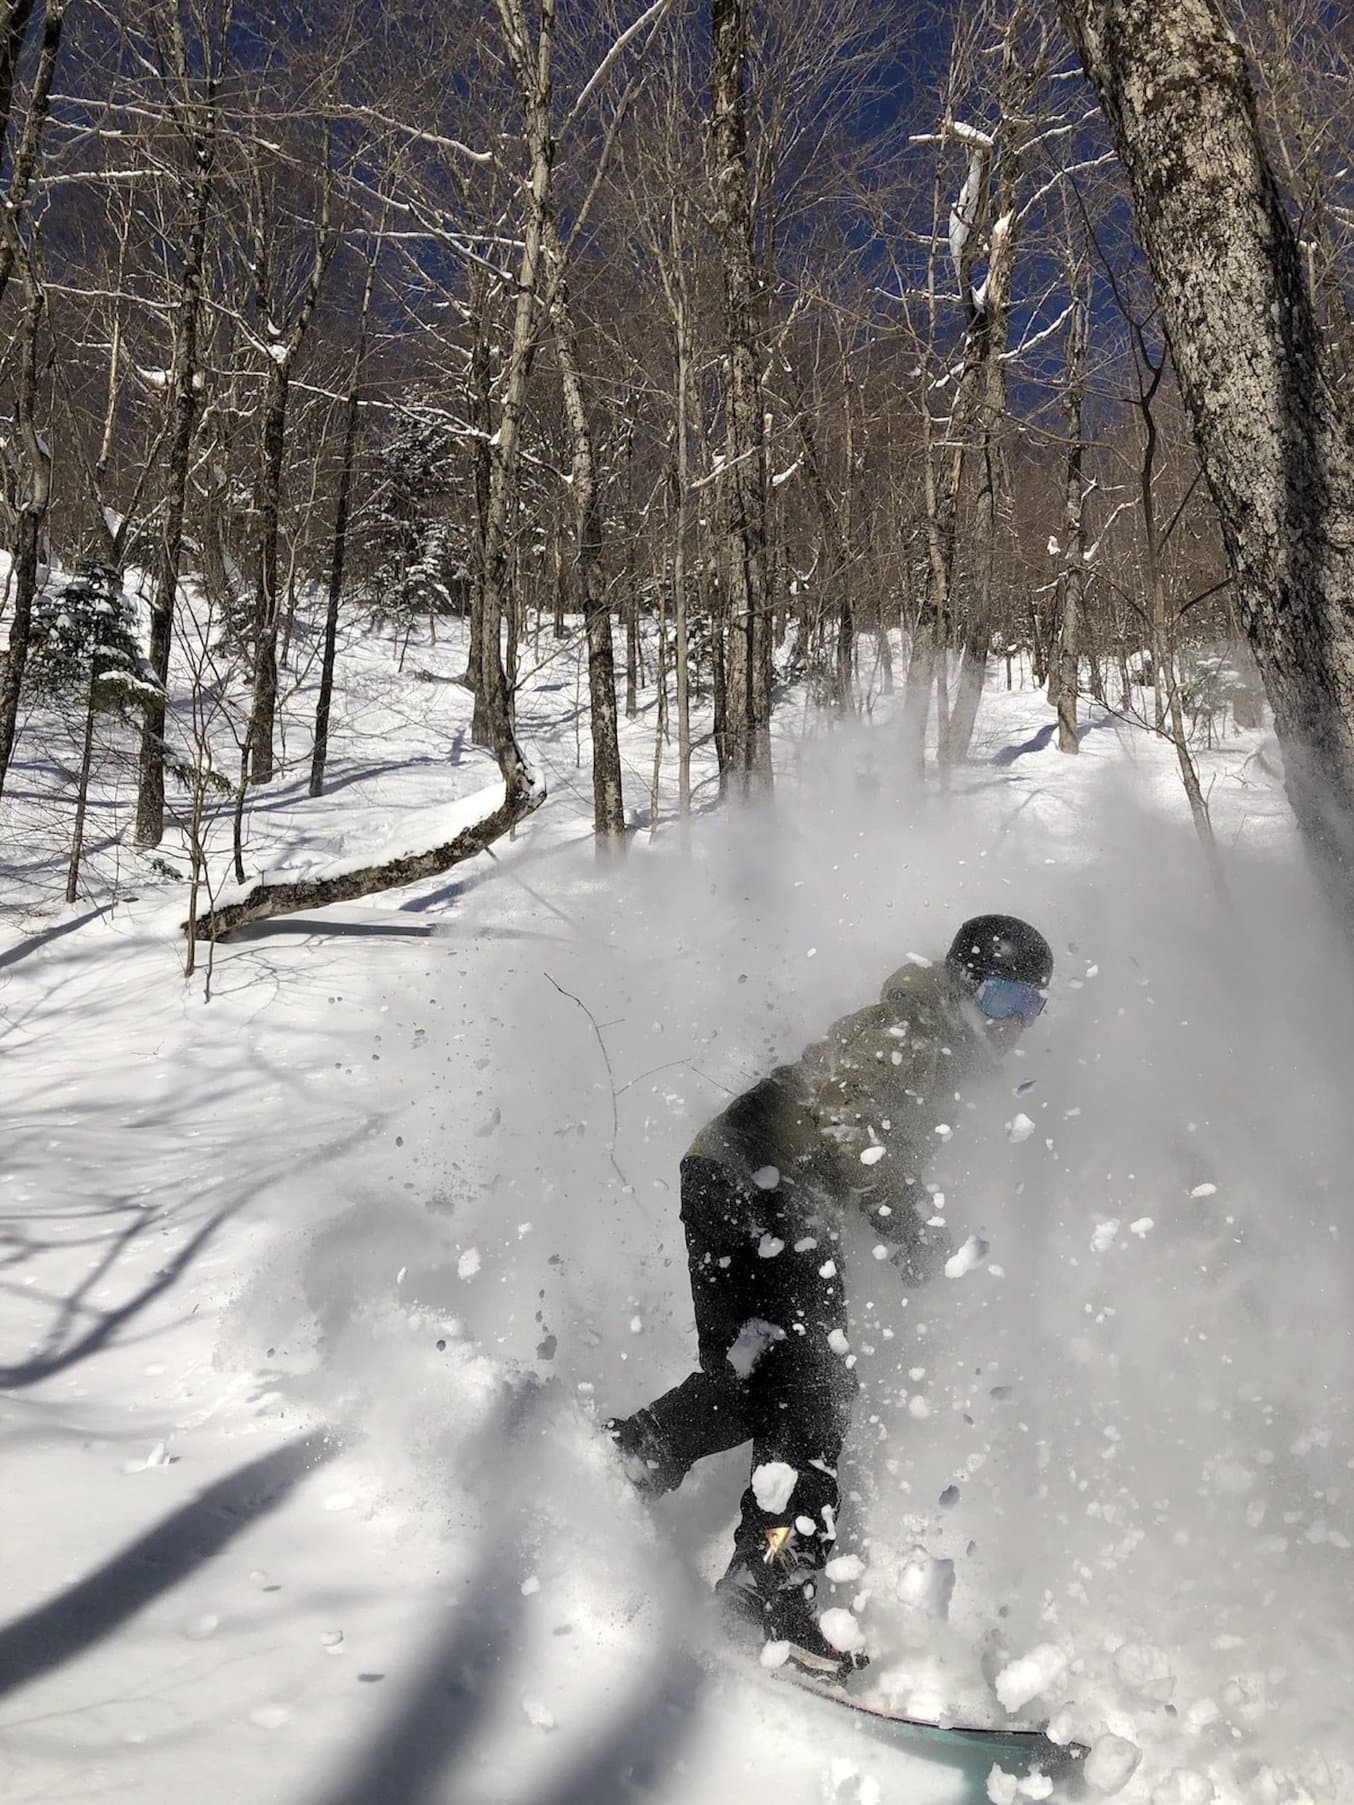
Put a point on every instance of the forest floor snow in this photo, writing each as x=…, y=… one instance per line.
x=315, y=1289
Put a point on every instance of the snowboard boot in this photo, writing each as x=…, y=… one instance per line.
x=645, y=1457
x=769, y=1597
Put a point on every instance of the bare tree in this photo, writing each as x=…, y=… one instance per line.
x=342, y=511
x=192, y=101
x=284, y=307
x=34, y=457
x=747, y=730
x=1065, y=663
x=608, y=802
x=1272, y=421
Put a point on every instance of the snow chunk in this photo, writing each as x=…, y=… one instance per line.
x=871, y=1156
x=838, y=1343
x=269, y=1717
x=842, y=1630
x=766, y=1178
x=1145, y=1670
x=1030, y=1674
x=1111, y=1764
x=1184, y=1786
x=970, y=1256
x=1019, y=1128
x=1203, y=1191
x=926, y=1584
x=772, y=1484
x=752, y=1341
x=845, y=1569
x=468, y=1264
x=851, y=1787
x=159, y=1456
x=1104, y=1235
x=1009, y=1789
x=774, y=1654
x=1142, y=1227
x=768, y=1247
x=537, y=1714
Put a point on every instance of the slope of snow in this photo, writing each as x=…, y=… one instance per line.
x=316, y=1289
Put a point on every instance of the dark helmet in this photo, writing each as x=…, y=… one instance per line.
x=1000, y=946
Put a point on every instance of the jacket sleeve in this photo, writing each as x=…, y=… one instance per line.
x=873, y=1092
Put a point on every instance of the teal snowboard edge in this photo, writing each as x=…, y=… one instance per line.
x=960, y=1745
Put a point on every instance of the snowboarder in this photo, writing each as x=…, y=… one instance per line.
x=763, y=1191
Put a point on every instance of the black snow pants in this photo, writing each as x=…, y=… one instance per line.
x=771, y=1329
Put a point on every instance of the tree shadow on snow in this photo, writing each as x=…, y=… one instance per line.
x=470, y=1679
x=63, y=1346
x=85, y=1613
x=35, y=942
x=1007, y=755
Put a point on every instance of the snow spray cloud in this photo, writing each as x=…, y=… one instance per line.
x=1125, y=1428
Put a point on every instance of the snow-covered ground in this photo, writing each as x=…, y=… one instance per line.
x=314, y=1289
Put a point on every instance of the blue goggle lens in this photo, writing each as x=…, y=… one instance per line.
x=1001, y=998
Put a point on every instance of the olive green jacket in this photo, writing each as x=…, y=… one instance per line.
x=854, y=1119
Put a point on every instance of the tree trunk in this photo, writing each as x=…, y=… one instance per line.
x=150, y=796
x=1072, y=577
x=630, y=604
x=532, y=70
x=28, y=538
x=13, y=28
x=482, y=475
x=835, y=592
x=747, y=687
x=342, y=505
x=82, y=793
x=1273, y=427
x=608, y=803
x=263, y=714
x=320, y=750
x=988, y=332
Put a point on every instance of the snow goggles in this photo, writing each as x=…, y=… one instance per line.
x=1001, y=998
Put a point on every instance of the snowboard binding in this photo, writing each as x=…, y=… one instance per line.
x=768, y=1596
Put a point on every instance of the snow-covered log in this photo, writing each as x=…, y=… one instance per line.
x=523, y=793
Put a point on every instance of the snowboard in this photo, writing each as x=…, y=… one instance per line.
x=974, y=1748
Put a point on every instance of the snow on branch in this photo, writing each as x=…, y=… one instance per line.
x=964, y=212
x=651, y=16
x=1029, y=344
x=512, y=800
x=420, y=136
x=970, y=134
